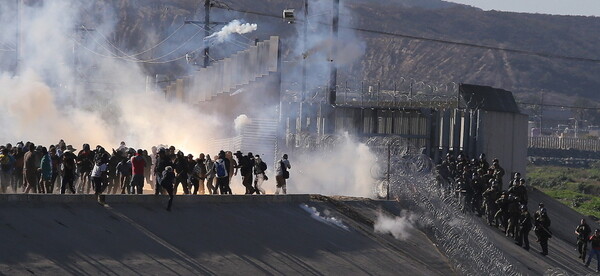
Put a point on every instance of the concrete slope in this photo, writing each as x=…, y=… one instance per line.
x=562, y=258
x=224, y=235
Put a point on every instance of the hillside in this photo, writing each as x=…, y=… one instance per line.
x=388, y=58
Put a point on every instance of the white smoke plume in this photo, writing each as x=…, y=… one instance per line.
x=234, y=27
x=71, y=86
x=345, y=170
x=400, y=227
x=240, y=122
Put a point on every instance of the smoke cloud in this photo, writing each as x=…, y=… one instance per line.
x=343, y=170
x=400, y=227
x=240, y=122
x=72, y=85
x=234, y=27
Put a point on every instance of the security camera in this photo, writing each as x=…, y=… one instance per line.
x=288, y=15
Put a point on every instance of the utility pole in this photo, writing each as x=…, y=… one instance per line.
x=332, y=66
x=541, y=112
x=304, y=57
x=304, y=46
x=206, y=31
x=207, y=5
x=18, y=48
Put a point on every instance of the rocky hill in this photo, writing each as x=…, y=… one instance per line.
x=387, y=58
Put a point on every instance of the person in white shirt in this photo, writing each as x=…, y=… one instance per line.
x=282, y=174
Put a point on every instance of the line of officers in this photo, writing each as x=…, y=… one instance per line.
x=479, y=188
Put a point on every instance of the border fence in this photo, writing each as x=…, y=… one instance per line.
x=551, y=142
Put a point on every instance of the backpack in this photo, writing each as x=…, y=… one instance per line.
x=284, y=170
x=263, y=166
x=220, y=168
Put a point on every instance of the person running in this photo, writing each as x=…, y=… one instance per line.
x=246, y=164
x=595, y=240
x=583, y=232
x=181, y=173
x=68, y=172
x=222, y=169
x=99, y=173
x=85, y=164
x=166, y=182
x=162, y=162
x=282, y=174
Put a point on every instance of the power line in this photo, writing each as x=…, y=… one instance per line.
x=443, y=41
x=131, y=58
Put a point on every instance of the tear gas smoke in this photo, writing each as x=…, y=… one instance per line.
x=234, y=27
x=315, y=47
x=84, y=96
x=400, y=227
x=333, y=221
x=240, y=122
x=343, y=170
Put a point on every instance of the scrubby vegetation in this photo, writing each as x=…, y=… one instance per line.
x=578, y=188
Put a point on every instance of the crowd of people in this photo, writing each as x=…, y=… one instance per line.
x=480, y=189
x=59, y=168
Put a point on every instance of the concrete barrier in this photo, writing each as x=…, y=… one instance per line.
x=114, y=199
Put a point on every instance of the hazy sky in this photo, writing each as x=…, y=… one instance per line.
x=565, y=7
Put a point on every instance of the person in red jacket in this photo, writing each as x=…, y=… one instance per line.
x=138, y=165
x=595, y=239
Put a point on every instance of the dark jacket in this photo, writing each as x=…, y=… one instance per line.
x=167, y=179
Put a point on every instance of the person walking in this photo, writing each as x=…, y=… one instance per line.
x=124, y=172
x=595, y=240
x=583, y=232
x=56, y=160
x=542, y=228
x=210, y=174
x=525, y=225
x=198, y=175
x=30, y=170
x=138, y=168
x=147, y=168
x=282, y=174
x=46, y=172
x=259, y=171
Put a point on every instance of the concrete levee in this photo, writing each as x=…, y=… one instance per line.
x=212, y=235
